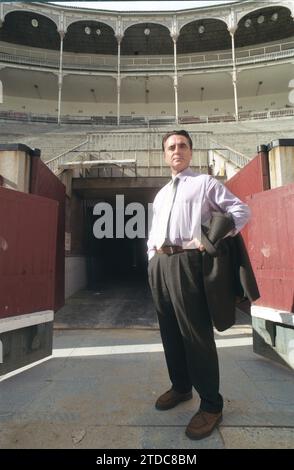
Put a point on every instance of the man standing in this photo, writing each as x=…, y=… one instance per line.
x=176, y=280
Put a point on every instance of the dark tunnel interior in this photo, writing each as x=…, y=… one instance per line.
x=114, y=259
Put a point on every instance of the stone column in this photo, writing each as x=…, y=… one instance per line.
x=119, y=34
x=175, y=38
x=60, y=77
x=15, y=166
x=281, y=162
x=118, y=79
x=234, y=71
x=1, y=14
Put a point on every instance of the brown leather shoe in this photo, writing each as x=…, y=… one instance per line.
x=171, y=398
x=202, y=424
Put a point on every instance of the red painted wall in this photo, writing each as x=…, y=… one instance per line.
x=271, y=246
x=251, y=179
x=45, y=183
x=27, y=253
x=269, y=236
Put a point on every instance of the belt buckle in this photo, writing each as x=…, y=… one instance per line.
x=174, y=249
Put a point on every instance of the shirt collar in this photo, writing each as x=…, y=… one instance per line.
x=184, y=174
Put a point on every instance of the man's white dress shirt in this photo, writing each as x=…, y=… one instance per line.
x=197, y=196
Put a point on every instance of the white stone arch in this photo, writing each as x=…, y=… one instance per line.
x=242, y=14
x=30, y=10
x=194, y=20
x=201, y=18
x=150, y=23
x=88, y=18
x=148, y=20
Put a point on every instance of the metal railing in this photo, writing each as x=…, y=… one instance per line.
x=141, y=150
x=49, y=59
x=229, y=154
x=55, y=164
x=123, y=154
x=144, y=121
x=139, y=141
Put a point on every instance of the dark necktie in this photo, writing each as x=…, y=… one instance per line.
x=164, y=217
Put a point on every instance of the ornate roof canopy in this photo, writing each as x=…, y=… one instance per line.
x=96, y=32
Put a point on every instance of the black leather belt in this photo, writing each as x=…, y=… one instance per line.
x=171, y=249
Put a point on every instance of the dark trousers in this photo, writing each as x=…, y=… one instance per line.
x=185, y=325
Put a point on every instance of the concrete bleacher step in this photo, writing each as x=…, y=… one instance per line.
x=53, y=140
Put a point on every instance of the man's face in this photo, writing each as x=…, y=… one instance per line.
x=177, y=153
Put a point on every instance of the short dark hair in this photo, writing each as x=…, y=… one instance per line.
x=181, y=132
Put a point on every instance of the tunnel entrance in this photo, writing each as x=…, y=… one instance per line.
x=107, y=277
x=114, y=259
x=120, y=256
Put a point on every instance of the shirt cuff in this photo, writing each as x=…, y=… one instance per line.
x=151, y=253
